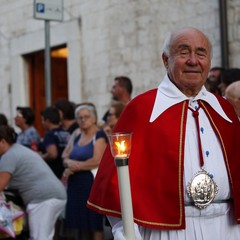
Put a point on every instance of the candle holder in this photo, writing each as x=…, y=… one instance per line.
x=120, y=144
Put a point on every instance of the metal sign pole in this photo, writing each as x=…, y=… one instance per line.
x=48, y=10
x=47, y=64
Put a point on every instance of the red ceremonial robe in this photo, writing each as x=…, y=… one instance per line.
x=156, y=163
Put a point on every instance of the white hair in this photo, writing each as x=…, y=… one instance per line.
x=166, y=44
x=233, y=90
x=168, y=40
x=89, y=107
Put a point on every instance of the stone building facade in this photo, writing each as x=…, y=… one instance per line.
x=106, y=38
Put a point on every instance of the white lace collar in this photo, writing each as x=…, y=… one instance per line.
x=168, y=95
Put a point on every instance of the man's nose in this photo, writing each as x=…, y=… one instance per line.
x=192, y=59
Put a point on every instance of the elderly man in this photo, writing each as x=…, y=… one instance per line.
x=185, y=160
x=232, y=94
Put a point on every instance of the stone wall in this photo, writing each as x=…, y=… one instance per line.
x=106, y=38
x=234, y=32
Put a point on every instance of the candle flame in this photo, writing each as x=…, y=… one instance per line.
x=121, y=146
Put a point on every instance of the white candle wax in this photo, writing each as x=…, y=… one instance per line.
x=126, y=202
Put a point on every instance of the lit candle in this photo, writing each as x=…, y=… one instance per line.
x=121, y=150
x=121, y=147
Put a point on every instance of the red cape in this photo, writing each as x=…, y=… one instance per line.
x=156, y=163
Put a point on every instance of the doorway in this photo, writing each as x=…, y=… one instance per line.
x=59, y=81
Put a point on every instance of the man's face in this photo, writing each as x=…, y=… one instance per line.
x=45, y=123
x=116, y=91
x=19, y=119
x=189, y=61
x=213, y=75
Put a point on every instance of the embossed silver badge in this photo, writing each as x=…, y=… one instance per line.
x=202, y=189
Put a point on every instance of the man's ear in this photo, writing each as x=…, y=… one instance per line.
x=165, y=60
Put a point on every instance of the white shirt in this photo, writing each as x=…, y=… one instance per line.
x=168, y=95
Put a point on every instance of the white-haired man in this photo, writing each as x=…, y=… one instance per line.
x=185, y=160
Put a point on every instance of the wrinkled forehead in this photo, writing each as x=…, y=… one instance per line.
x=214, y=73
x=192, y=38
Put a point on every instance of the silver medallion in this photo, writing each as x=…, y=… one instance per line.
x=202, y=189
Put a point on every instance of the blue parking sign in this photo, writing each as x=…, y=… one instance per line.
x=40, y=7
x=48, y=10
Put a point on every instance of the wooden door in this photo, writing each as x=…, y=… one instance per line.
x=59, y=83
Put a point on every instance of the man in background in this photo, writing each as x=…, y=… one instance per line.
x=121, y=91
x=55, y=140
x=232, y=94
x=214, y=80
x=66, y=110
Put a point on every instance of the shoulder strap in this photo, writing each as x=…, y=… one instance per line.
x=76, y=138
x=94, y=138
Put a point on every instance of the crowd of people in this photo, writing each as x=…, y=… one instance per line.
x=220, y=78
x=68, y=154
x=225, y=82
x=180, y=183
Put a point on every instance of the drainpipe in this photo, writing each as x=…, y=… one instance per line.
x=224, y=33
